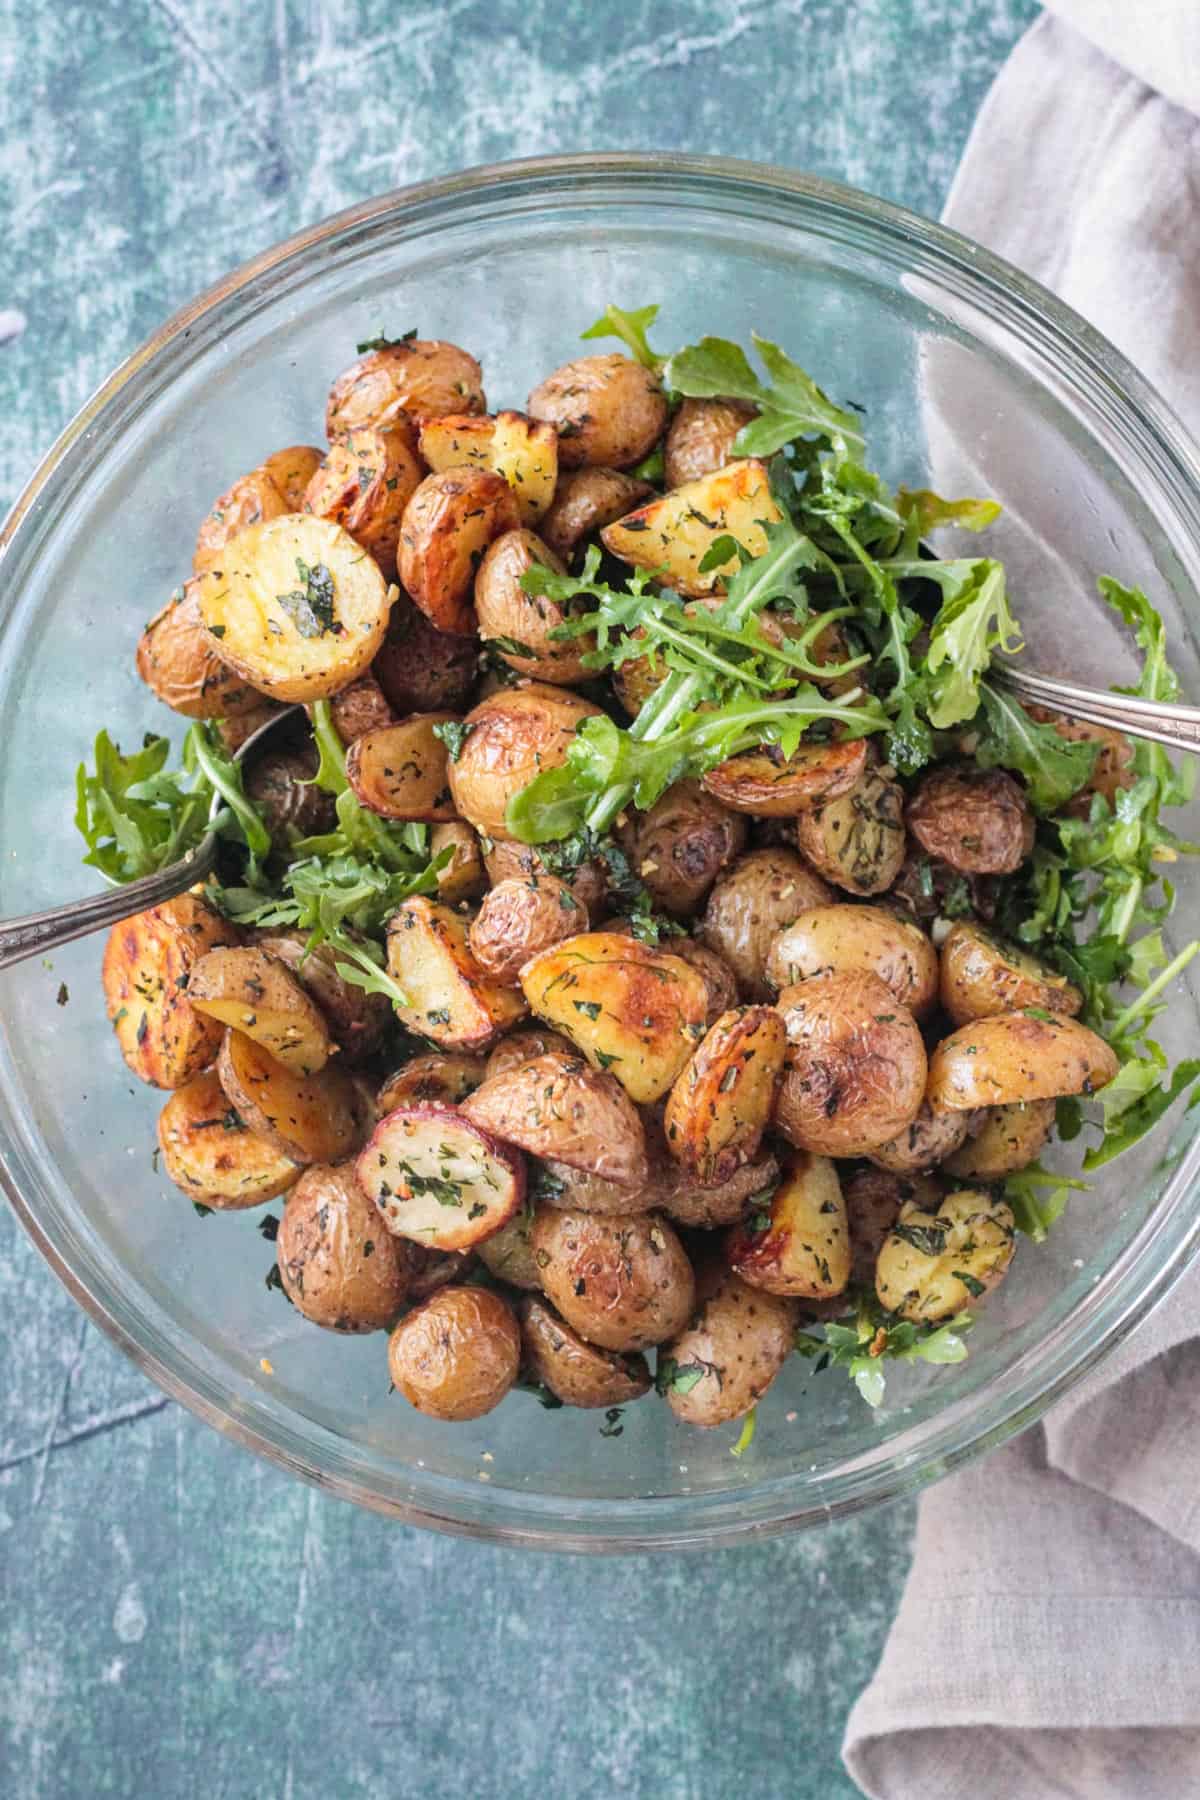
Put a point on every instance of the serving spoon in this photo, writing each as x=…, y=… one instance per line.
x=1161, y=721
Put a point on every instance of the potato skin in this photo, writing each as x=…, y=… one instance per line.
x=856, y=1066
x=1014, y=1056
x=857, y=841
x=506, y=1253
x=576, y=1190
x=245, y=987
x=338, y=1265
x=798, y=1241
x=514, y=735
x=177, y=660
x=448, y=523
x=421, y=669
x=771, y=786
x=148, y=962
x=750, y=905
x=356, y=1020
x=622, y=1283
x=574, y=1371
x=685, y=1201
x=977, y=820
x=721, y=1104
x=846, y=940
x=608, y=410
x=718, y=978
x=1007, y=1138
x=520, y=919
x=280, y=783
x=402, y=771
x=740, y=1339
x=464, y=877
x=925, y=1255
x=508, y=615
x=681, y=844
x=403, y=384
x=275, y=487
x=701, y=437
x=359, y=708
x=933, y=1136
x=873, y=1200
x=211, y=1156
x=440, y=1076
x=555, y=1105
x=981, y=976
x=585, y=500
x=456, y=1356
x=522, y=1046
x=505, y=859
x=365, y=482
x=312, y=1118
x=522, y=450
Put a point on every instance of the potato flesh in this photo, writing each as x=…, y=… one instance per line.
x=439, y=1179
x=675, y=532
x=312, y=1118
x=523, y=451
x=921, y=1267
x=721, y=1104
x=1015, y=1056
x=450, y=999
x=211, y=1156
x=798, y=1241
x=438, y=1076
x=257, y=994
x=148, y=963
x=400, y=771
x=1009, y=1138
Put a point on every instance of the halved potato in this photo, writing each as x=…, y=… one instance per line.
x=311, y=1118
x=365, y=482
x=701, y=438
x=1008, y=1138
x=722, y=1103
x=256, y=993
x=148, y=963
x=400, y=772
x=584, y=500
x=464, y=877
x=982, y=976
x=622, y=1283
x=522, y=1046
x=771, y=786
x=933, y=1265
x=933, y=1136
x=301, y=610
x=439, y=1179
x=356, y=1020
x=520, y=919
x=450, y=999
x=798, y=1241
x=608, y=410
x=523, y=450
x=275, y=487
x=448, y=524
x=1015, y=1056
x=555, y=1106
x=674, y=534
x=404, y=383
x=635, y=1010
x=574, y=1371
x=512, y=736
x=439, y=1076
x=338, y=1267
x=864, y=940
x=732, y=1348
x=359, y=708
x=521, y=628
x=856, y=1065
x=177, y=660
x=208, y=1152
x=857, y=840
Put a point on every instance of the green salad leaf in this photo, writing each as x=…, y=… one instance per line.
x=869, y=1337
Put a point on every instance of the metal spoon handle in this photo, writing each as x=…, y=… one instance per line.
x=38, y=932
x=1161, y=721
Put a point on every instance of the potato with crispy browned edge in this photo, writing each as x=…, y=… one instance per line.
x=681, y=844
x=935, y=1264
x=367, y=479
x=1002, y=1139
x=622, y=1283
x=722, y=1103
x=513, y=735
x=148, y=962
x=319, y=1118
x=448, y=524
x=857, y=841
x=464, y=876
x=977, y=820
x=797, y=1241
x=750, y=905
x=177, y=660
x=701, y=438
x=933, y=1135
x=675, y=532
x=584, y=501
x=556, y=1106
x=523, y=1045
x=524, y=451
x=507, y=1253
x=524, y=629
x=441, y=1075
x=438, y=1178
x=402, y=384
x=608, y=411
x=574, y=1371
x=981, y=976
x=449, y=998
x=864, y=940
x=1017, y=1056
x=520, y=919
x=421, y=669
x=773, y=786
x=506, y=860
x=356, y=1020
x=456, y=1356
x=402, y=771
x=275, y=487
x=873, y=1200
x=856, y=1066
x=337, y=1264
x=724, y=1360
x=256, y=993
x=208, y=1152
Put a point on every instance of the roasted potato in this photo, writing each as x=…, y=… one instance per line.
x=401, y=383
x=513, y=736
x=360, y=708
x=456, y=1356
x=773, y=786
x=450, y=998
x=982, y=976
x=681, y=844
x=576, y=1190
x=628, y=1007
x=700, y=440
x=439, y=1179
x=464, y=877
x=750, y=905
x=856, y=1067
x=683, y=1199
x=522, y=628
x=798, y=1241
x=716, y=974
x=933, y=1265
x=863, y=940
x=356, y=1020
x=177, y=660
x=555, y=1106
x=523, y=1045
x=1113, y=768
x=402, y=771
x=523, y=451
x=274, y=488
x=873, y=1200
x=1015, y=1056
x=431, y=1270
x=977, y=820
x=675, y=532
x=508, y=860
x=364, y=484
x=256, y=993
x=440, y=1076
x=608, y=411
x=726, y=1357
x=584, y=501
x=312, y=1118
x=211, y=1156
x=1007, y=1138
x=507, y=1253
x=930, y=889
x=933, y=1136
x=280, y=783
x=421, y=669
x=574, y=1371
x=301, y=610
x=622, y=1283
x=722, y=1103
x=448, y=524
x=234, y=732
x=148, y=963
x=520, y=919
x=338, y=1266
x=857, y=841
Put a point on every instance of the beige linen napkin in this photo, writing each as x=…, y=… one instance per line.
x=1048, y=1641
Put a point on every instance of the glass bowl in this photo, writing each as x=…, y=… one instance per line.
x=967, y=372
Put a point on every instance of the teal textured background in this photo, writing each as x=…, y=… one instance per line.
x=177, y=1620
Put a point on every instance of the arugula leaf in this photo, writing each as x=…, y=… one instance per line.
x=1037, y=1197
x=1140, y=1100
x=1054, y=767
x=973, y=621
x=863, y=1342
x=631, y=329
x=926, y=511
x=790, y=404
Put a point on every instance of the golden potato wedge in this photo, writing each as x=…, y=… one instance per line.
x=1015, y=1056
x=257, y=994
x=674, y=534
x=440, y=1076
x=773, y=786
x=935, y=1264
x=464, y=877
x=622, y=1283
x=520, y=919
x=148, y=963
x=933, y=1136
x=857, y=841
x=1008, y=1138
x=508, y=1255
x=522, y=1046
x=856, y=1066
x=982, y=976
x=275, y=487
x=750, y=905
x=301, y=610
x=863, y=940
x=337, y=1264
x=404, y=383
x=681, y=844
x=574, y=1371
x=356, y=1020
x=439, y=1179
x=421, y=669
x=608, y=410
x=635, y=1010
x=701, y=438
x=522, y=450
x=730, y=1351
x=401, y=771
x=177, y=660
x=584, y=501
x=364, y=484
x=448, y=524
x=722, y=1103
x=555, y=1106
x=456, y=1356
x=513, y=736
x=798, y=1241
x=319, y=1118
x=520, y=628
x=450, y=999
x=209, y=1153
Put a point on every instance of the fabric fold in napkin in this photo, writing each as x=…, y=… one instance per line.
x=1048, y=1641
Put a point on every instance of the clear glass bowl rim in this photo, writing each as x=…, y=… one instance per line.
x=1147, y=1267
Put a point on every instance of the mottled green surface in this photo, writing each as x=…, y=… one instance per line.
x=176, y=1619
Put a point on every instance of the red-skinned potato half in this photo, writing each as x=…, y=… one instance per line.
x=439, y=1179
